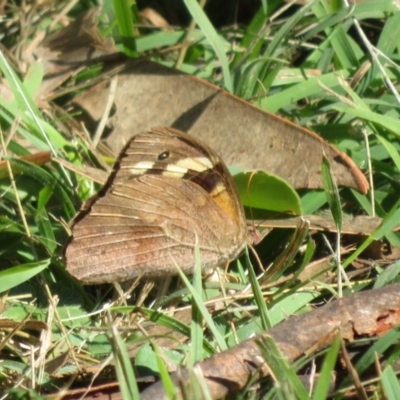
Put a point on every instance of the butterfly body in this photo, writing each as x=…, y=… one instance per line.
x=167, y=194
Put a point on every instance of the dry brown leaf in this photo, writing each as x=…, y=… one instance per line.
x=39, y=158
x=150, y=94
x=66, y=50
x=77, y=43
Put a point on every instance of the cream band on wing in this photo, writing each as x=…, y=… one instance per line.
x=173, y=170
x=198, y=164
x=140, y=168
x=180, y=168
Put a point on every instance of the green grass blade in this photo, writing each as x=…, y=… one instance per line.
x=388, y=224
x=30, y=114
x=391, y=149
x=210, y=33
x=388, y=275
x=332, y=193
x=14, y=276
x=337, y=36
x=309, y=87
x=46, y=231
x=164, y=374
x=203, y=309
x=324, y=380
x=166, y=321
x=44, y=197
x=285, y=31
x=258, y=296
x=125, y=19
x=22, y=98
x=377, y=350
x=33, y=79
x=123, y=366
x=385, y=121
x=285, y=258
x=289, y=383
x=197, y=320
x=390, y=383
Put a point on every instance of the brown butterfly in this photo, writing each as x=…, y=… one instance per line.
x=168, y=192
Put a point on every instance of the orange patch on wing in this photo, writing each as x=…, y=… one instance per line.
x=225, y=201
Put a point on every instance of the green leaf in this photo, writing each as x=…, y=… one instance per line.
x=14, y=276
x=165, y=39
x=389, y=37
x=22, y=97
x=373, y=9
x=289, y=304
x=266, y=191
x=312, y=201
x=146, y=357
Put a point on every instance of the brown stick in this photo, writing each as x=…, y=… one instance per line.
x=368, y=313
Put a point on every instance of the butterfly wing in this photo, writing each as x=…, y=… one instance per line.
x=165, y=196
x=147, y=227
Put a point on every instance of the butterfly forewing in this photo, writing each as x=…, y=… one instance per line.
x=167, y=194
x=158, y=153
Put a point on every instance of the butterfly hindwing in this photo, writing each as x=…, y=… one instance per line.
x=167, y=194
